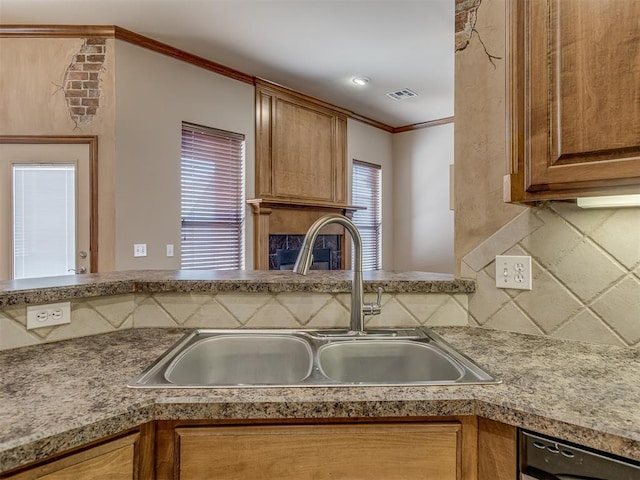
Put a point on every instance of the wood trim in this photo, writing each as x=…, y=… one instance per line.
x=371, y=122
x=469, y=447
x=163, y=48
x=92, y=141
x=418, y=126
x=284, y=92
x=497, y=455
x=57, y=31
x=267, y=202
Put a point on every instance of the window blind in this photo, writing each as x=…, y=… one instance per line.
x=366, y=191
x=212, y=193
x=44, y=219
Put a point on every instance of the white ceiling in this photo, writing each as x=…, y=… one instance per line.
x=312, y=46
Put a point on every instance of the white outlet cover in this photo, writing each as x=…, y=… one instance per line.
x=39, y=316
x=513, y=271
x=140, y=250
x=169, y=249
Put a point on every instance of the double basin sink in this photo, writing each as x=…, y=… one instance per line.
x=307, y=358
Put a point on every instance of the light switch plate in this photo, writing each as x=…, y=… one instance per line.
x=47, y=315
x=513, y=271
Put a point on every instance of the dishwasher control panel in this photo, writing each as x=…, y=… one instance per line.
x=548, y=458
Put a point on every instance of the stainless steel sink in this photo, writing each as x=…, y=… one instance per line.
x=258, y=359
x=308, y=358
x=380, y=361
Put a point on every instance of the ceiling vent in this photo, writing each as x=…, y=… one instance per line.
x=402, y=94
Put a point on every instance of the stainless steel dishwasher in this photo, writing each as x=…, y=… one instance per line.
x=546, y=458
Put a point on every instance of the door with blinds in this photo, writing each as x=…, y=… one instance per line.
x=45, y=209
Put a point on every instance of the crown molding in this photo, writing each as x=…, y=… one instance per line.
x=159, y=47
x=418, y=126
x=57, y=31
x=119, y=33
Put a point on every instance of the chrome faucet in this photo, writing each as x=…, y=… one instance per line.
x=358, y=308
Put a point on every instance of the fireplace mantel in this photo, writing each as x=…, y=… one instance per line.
x=278, y=216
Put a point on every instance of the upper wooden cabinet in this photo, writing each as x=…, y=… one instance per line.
x=574, y=98
x=301, y=147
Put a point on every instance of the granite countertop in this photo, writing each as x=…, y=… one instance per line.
x=51, y=289
x=61, y=395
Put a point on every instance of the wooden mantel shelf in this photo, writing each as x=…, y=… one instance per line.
x=272, y=202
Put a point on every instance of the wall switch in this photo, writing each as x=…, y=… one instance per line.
x=47, y=315
x=140, y=250
x=513, y=271
x=169, y=249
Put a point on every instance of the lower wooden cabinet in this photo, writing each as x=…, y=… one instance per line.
x=497, y=450
x=128, y=457
x=443, y=448
x=426, y=450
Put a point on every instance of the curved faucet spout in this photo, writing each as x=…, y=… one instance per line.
x=305, y=259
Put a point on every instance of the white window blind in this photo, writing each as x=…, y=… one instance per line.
x=212, y=178
x=366, y=191
x=44, y=223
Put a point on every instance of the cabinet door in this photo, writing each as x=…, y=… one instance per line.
x=115, y=460
x=301, y=148
x=389, y=451
x=575, y=98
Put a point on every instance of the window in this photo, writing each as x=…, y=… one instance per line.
x=44, y=221
x=212, y=178
x=366, y=191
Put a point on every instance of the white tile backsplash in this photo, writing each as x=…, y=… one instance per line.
x=586, y=275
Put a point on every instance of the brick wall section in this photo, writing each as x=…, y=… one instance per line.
x=465, y=21
x=82, y=81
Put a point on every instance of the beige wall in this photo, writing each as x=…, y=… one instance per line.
x=32, y=103
x=480, y=128
x=155, y=93
x=423, y=222
x=370, y=144
x=586, y=264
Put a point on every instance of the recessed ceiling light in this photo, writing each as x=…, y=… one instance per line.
x=361, y=81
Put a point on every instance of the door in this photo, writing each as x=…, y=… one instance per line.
x=45, y=209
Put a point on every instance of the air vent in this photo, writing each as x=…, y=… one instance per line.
x=402, y=94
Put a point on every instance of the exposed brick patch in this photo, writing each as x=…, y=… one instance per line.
x=466, y=14
x=82, y=81
x=465, y=27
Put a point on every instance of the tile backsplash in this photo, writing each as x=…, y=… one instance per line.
x=231, y=310
x=586, y=275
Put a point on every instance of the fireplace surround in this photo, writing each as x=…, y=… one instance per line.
x=281, y=224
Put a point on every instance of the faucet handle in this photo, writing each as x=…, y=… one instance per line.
x=373, y=308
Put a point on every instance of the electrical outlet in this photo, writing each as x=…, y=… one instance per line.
x=513, y=271
x=139, y=249
x=169, y=249
x=47, y=315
